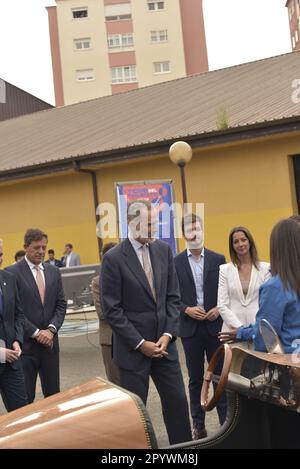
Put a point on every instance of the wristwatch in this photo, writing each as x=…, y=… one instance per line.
x=52, y=329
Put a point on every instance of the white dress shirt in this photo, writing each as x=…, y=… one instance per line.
x=68, y=259
x=197, y=268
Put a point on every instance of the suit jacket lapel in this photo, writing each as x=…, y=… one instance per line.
x=135, y=266
x=238, y=286
x=4, y=293
x=27, y=275
x=206, y=264
x=47, y=281
x=252, y=283
x=188, y=269
x=156, y=267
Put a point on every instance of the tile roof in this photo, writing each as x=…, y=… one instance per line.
x=250, y=93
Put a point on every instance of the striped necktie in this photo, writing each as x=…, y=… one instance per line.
x=40, y=283
x=148, y=268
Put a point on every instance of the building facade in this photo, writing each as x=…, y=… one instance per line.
x=293, y=7
x=15, y=102
x=103, y=47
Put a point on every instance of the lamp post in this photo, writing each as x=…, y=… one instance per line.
x=181, y=153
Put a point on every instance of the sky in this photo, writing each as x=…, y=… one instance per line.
x=237, y=31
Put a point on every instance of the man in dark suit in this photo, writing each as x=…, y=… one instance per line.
x=198, y=274
x=42, y=298
x=12, y=384
x=140, y=300
x=51, y=259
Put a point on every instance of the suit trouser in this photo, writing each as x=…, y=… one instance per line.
x=167, y=377
x=12, y=386
x=39, y=360
x=111, y=369
x=195, y=348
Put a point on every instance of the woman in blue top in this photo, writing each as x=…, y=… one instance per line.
x=279, y=297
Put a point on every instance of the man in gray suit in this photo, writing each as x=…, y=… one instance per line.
x=140, y=300
x=105, y=332
x=44, y=306
x=70, y=258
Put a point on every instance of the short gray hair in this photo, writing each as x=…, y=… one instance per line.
x=135, y=207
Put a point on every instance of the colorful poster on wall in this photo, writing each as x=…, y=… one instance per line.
x=160, y=194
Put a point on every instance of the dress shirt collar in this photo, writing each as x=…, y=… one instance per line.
x=189, y=254
x=136, y=244
x=32, y=266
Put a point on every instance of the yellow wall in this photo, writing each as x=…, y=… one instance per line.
x=62, y=206
x=249, y=184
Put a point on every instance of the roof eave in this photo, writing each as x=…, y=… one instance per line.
x=202, y=140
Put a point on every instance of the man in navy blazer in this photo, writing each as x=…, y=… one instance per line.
x=198, y=274
x=43, y=302
x=140, y=301
x=12, y=384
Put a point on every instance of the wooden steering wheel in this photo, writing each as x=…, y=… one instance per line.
x=206, y=404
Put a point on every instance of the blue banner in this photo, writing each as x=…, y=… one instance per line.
x=160, y=194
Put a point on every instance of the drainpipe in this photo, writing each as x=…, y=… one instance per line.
x=76, y=166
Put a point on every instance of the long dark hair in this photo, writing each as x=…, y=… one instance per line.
x=285, y=253
x=252, y=251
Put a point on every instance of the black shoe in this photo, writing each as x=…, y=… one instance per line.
x=199, y=434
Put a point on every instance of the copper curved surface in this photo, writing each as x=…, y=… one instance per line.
x=286, y=359
x=81, y=417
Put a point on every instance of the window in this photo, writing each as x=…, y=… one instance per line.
x=85, y=75
x=79, y=13
x=118, y=18
x=120, y=41
x=152, y=6
x=123, y=74
x=159, y=36
x=82, y=44
x=117, y=12
x=161, y=67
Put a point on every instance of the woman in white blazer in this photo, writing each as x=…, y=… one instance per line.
x=239, y=281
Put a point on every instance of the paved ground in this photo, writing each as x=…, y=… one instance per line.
x=81, y=360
